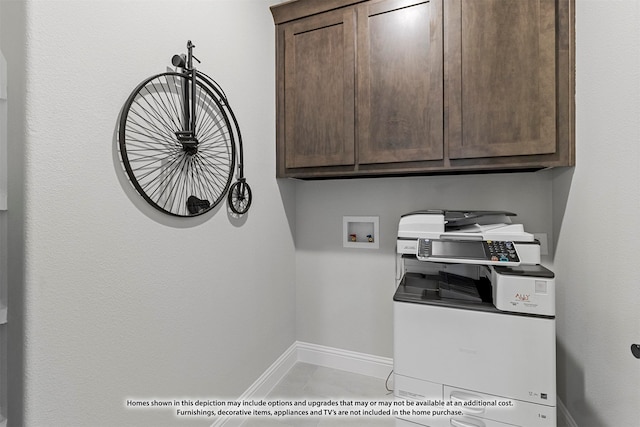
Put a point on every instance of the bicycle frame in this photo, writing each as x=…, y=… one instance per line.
x=225, y=103
x=187, y=136
x=178, y=144
x=240, y=193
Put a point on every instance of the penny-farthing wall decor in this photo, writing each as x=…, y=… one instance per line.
x=179, y=142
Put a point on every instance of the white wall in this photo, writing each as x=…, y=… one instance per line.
x=119, y=300
x=596, y=209
x=112, y=305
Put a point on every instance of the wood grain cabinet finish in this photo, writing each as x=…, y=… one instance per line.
x=401, y=87
x=502, y=81
x=319, y=78
x=400, y=82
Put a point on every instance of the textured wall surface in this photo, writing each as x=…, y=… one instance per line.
x=114, y=300
x=121, y=301
x=595, y=217
x=344, y=296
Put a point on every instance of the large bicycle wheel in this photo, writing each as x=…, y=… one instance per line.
x=179, y=173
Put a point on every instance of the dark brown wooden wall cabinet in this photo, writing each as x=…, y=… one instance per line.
x=382, y=87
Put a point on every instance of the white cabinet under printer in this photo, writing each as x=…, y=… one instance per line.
x=476, y=335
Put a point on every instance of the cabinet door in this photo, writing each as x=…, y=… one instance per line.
x=319, y=90
x=400, y=83
x=500, y=77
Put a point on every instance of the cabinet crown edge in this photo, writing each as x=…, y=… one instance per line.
x=295, y=9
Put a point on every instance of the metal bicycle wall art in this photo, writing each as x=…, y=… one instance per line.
x=177, y=138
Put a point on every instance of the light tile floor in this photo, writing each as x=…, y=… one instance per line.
x=305, y=381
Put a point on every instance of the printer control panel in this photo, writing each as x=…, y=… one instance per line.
x=503, y=251
x=487, y=252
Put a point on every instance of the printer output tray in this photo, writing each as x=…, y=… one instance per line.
x=423, y=289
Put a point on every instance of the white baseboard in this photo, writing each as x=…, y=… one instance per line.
x=330, y=357
x=345, y=360
x=264, y=384
x=564, y=417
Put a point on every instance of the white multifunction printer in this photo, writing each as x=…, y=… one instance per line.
x=474, y=323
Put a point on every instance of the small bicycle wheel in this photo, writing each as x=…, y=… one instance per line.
x=177, y=172
x=239, y=197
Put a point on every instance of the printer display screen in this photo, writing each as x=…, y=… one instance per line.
x=457, y=249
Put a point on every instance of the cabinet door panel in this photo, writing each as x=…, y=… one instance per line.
x=501, y=77
x=400, y=87
x=319, y=90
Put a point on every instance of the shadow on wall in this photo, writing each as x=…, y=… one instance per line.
x=154, y=214
x=562, y=179
x=571, y=377
x=572, y=384
x=13, y=36
x=287, y=190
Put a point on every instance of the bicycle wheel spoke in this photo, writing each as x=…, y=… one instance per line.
x=170, y=185
x=212, y=177
x=157, y=114
x=157, y=180
x=213, y=128
x=207, y=122
x=240, y=197
x=177, y=175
